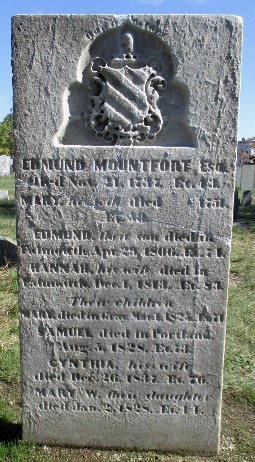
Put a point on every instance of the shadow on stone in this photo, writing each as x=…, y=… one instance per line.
x=236, y=205
x=9, y=431
x=8, y=251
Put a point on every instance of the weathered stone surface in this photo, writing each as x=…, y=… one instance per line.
x=125, y=133
x=6, y=165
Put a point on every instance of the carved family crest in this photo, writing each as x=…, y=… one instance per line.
x=126, y=94
x=124, y=107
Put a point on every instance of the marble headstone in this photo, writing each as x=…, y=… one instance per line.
x=125, y=131
x=6, y=165
x=4, y=194
x=247, y=177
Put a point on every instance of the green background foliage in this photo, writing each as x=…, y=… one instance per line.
x=6, y=135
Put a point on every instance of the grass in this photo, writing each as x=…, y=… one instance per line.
x=9, y=345
x=238, y=416
x=7, y=208
x=240, y=345
x=9, y=365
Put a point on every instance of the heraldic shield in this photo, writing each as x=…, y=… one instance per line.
x=124, y=110
x=126, y=94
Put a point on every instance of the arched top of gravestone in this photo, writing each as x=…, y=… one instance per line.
x=126, y=94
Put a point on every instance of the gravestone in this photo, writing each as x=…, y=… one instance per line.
x=248, y=177
x=245, y=177
x=4, y=194
x=125, y=130
x=6, y=165
x=239, y=172
x=247, y=197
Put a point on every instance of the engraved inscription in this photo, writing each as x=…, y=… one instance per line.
x=133, y=297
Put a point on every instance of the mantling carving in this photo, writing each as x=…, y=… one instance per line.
x=124, y=106
x=126, y=94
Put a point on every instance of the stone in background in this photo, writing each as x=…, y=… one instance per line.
x=6, y=165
